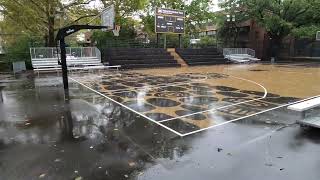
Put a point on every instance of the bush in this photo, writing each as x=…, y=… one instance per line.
x=18, y=50
x=207, y=41
x=306, y=32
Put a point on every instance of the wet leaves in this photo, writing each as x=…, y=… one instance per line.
x=42, y=176
x=78, y=178
x=131, y=164
x=57, y=160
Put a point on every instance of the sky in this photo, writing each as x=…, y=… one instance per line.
x=97, y=4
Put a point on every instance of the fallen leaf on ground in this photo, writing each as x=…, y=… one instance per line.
x=132, y=164
x=78, y=178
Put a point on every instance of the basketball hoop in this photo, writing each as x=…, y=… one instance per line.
x=116, y=30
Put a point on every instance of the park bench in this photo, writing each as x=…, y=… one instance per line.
x=78, y=58
x=303, y=107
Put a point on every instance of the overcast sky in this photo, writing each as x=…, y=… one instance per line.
x=97, y=4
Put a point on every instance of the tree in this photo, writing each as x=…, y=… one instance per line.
x=125, y=8
x=279, y=17
x=42, y=17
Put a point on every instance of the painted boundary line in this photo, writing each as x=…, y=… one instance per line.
x=223, y=107
x=237, y=119
x=142, y=115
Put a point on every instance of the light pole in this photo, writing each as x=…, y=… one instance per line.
x=231, y=19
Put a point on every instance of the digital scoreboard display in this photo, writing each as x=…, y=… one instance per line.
x=169, y=21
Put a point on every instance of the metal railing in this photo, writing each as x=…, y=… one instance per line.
x=231, y=51
x=72, y=52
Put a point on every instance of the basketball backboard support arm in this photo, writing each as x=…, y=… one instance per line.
x=62, y=33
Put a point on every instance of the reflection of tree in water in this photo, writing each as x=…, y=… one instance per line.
x=133, y=141
x=112, y=120
x=304, y=136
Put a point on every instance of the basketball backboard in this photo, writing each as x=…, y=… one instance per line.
x=318, y=36
x=108, y=18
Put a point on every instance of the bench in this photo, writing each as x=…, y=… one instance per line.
x=305, y=106
x=49, y=65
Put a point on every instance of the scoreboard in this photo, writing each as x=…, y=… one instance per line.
x=169, y=21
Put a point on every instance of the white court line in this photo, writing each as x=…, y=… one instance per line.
x=237, y=119
x=142, y=115
x=215, y=109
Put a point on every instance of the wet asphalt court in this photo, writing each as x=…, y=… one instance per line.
x=217, y=122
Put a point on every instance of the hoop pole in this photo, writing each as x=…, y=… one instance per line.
x=62, y=33
x=64, y=67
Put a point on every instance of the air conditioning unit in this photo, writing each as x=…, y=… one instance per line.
x=318, y=36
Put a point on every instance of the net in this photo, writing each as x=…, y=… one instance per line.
x=116, y=30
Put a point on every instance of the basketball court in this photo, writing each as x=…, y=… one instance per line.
x=187, y=113
x=190, y=100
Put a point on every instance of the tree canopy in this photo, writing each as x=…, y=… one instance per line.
x=279, y=17
x=42, y=17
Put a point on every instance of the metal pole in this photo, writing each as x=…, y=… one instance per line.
x=165, y=41
x=158, y=41
x=64, y=68
x=180, y=41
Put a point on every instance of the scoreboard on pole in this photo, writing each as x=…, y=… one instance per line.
x=169, y=21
